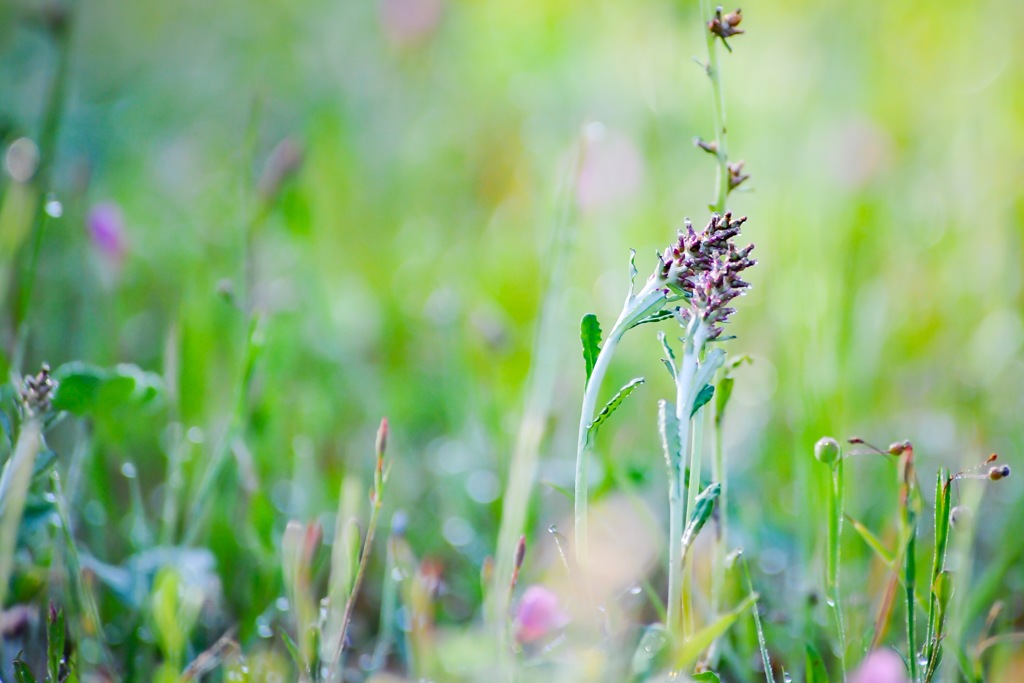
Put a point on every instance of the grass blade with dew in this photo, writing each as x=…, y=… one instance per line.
x=539, y=394
x=828, y=452
x=762, y=644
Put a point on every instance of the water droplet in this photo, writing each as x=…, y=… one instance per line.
x=195, y=435
x=635, y=590
x=786, y=678
x=263, y=629
x=458, y=531
x=281, y=604
x=129, y=471
x=54, y=209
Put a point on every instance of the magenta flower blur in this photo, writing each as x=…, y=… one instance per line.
x=105, y=223
x=408, y=23
x=881, y=666
x=538, y=614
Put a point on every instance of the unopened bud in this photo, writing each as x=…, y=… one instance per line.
x=827, y=450
x=520, y=552
x=382, y=437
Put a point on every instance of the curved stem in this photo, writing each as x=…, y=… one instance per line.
x=583, y=445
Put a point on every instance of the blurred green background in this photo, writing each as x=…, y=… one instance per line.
x=402, y=264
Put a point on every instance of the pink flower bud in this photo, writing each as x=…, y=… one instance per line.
x=106, y=230
x=881, y=666
x=538, y=614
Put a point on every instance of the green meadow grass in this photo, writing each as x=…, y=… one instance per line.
x=329, y=213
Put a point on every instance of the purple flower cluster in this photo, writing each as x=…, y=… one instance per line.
x=705, y=267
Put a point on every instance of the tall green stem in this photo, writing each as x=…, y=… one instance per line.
x=835, y=529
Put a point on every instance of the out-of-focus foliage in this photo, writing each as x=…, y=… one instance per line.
x=398, y=247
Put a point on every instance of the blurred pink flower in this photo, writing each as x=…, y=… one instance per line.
x=106, y=230
x=881, y=666
x=612, y=169
x=408, y=22
x=538, y=614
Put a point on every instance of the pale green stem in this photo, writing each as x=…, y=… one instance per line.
x=677, y=511
x=583, y=445
x=696, y=448
x=718, y=473
x=14, y=484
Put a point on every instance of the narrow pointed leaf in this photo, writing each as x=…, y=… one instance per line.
x=55, y=643
x=815, y=670
x=612, y=405
x=706, y=677
x=22, y=674
x=702, y=508
x=655, y=317
x=590, y=336
x=703, y=396
x=873, y=541
x=701, y=640
x=706, y=372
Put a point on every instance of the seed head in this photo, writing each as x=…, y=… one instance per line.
x=726, y=26
x=705, y=267
x=37, y=391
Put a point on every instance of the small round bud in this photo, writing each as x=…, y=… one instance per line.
x=997, y=473
x=827, y=450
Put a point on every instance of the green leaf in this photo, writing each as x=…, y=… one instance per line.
x=703, y=396
x=702, y=508
x=706, y=677
x=668, y=428
x=43, y=462
x=706, y=372
x=655, y=317
x=560, y=489
x=722, y=397
x=651, y=652
x=78, y=387
x=612, y=405
x=22, y=674
x=871, y=540
x=590, y=335
x=632, y=270
x=83, y=388
x=55, y=643
x=702, y=639
x=293, y=650
x=815, y=670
